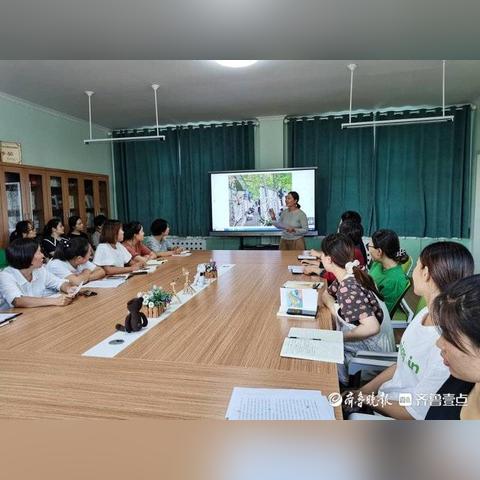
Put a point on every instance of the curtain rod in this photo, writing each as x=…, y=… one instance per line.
x=190, y=125
x=383, y=111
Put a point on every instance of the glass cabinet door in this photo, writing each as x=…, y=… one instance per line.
x=73, y=197
x=35, y=189
x=13, y=189
x=89, y=204
x=103, y=200
x=57, y=199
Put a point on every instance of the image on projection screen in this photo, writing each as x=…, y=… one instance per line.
x=252, y=196
x=241, y=200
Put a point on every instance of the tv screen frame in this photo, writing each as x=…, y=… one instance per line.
x=261, y=232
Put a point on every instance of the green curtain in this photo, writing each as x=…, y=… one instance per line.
x=423, y=175
x=146, y=178
x=344, y=161
x=414, y=179
x=204, y=149
x=170, y=179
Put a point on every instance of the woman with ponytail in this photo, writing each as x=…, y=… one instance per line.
x=71, y=261
x=386, y=269
x=354, y=301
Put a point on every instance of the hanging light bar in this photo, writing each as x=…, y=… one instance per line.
x=87, y=141
x=403, y=121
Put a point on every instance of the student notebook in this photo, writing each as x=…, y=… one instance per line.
x=314, y=344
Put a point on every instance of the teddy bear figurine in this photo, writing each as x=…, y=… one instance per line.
x=136, y=319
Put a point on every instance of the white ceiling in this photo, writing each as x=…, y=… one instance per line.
x=201, y=90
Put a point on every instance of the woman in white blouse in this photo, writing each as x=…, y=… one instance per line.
x=111, y=255
x=71, y=261
x=26, y=282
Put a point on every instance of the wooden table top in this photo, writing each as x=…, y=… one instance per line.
x=228, y=335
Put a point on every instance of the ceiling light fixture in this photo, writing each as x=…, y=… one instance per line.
x=87, y=141
x=405, y=121
x=236, y=63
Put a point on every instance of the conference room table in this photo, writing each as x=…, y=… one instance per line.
x=226, y=336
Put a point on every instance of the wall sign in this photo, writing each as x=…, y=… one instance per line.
x=11, y=152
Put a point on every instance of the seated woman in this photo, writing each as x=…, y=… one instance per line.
x=76, y=228
x=419, y=368
x=71, y=261
x=111, y=255
x=133, y=242
x=351, y=224
x=157, y=242
x=354, y=302
x=26, y=282
x=456, y=312
x=386, y=269
x=98, y=223
x=23, y=229
x=53, y=233
x=352, y=230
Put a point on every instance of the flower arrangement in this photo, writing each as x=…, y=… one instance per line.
x=155, y=301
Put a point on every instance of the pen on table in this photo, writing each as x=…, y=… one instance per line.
x=303, y=338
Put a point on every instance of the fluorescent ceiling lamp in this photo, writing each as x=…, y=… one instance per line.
x=87, y=141
x=399, y=121
x=236, y=63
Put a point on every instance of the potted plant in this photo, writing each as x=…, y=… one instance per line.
x=155, y=301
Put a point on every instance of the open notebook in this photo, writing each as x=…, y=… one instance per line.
x=314, y=344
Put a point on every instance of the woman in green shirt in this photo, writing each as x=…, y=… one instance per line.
x=386, y=269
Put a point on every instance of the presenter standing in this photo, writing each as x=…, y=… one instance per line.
x=293, y=223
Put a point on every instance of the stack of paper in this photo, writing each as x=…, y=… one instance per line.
x=314, y=344
x=185, y=253
x=296, y=268
x=278, y=404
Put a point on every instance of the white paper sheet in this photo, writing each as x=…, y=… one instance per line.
x=4, y=317
x=306, y=257
x=106, y=283
x=296, y=268
x=278, y=404
x=156, y=262
x=314, y=344
x=183, y=254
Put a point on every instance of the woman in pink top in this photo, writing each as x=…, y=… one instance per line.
x=133, y=242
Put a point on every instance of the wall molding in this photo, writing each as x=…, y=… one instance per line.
x=50, y=111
